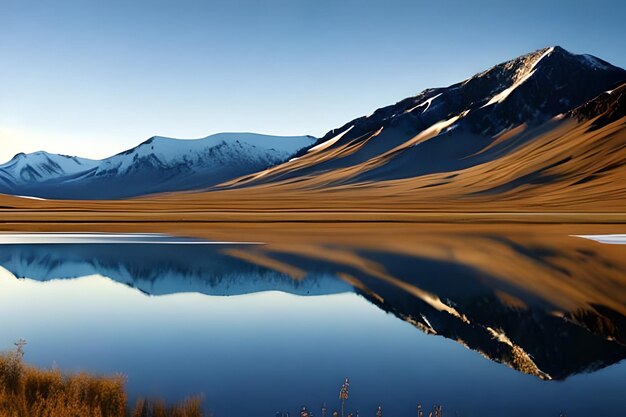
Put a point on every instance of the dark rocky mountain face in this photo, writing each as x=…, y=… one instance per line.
x=559, y=82
x=610, y=105
x=456, y=124
x=542, y=84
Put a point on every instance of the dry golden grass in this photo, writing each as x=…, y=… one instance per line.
x=191, y=407
x=26, y=391
x=568, y=174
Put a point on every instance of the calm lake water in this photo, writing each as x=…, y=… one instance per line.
x=483, y=324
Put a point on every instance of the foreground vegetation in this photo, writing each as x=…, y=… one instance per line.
x=26, y=391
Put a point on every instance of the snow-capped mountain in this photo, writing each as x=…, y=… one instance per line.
x=491, y=116
x=156, y=165
x=42, y=166
x=452, y=128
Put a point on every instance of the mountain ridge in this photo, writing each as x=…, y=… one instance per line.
x=519, y=128
x=150, y=167
x=474, y=112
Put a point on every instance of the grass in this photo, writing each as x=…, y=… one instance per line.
x=26, y=391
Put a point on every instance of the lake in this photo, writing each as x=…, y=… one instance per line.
x=510, y=321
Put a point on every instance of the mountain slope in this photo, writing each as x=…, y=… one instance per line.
x=543, y=132
x=573, y=163
x=41, y=166
x=157, y=165
x=447, y=129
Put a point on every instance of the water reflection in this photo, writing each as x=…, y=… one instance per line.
x=159, y=269
x=547, y=305
x=544, y=310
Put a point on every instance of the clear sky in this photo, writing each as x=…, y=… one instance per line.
x=93, y=78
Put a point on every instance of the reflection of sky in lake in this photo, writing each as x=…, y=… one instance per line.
x=260, y=353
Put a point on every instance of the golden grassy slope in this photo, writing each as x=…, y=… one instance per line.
x=586, y=170
x=568, y=171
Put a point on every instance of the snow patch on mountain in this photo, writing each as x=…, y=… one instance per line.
x=523, y=74
x=594, y=62
x=426, y=103
x=330, y=141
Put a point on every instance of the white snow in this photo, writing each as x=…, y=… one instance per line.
x=29, y=197
x=168, y=162
x=235, y=146
x=427, y=322
x=330, y=141
x=501, y=96
x=593, y=62
x=46, y=165
x=616, y=239
x=427, y=103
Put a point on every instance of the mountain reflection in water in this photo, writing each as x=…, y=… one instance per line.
x=547, y=305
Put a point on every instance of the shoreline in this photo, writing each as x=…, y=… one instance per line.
x=454, y=217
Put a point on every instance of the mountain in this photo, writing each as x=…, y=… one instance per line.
x=542, y=132
x=448, y=129
x=41, y=166
x=155, y=166
x=607, y=108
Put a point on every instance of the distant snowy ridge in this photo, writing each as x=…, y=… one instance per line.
x=223, y=148
x=41, y=165
x=479, y=120
x=157, y=165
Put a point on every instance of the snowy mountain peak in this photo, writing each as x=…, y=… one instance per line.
x=531, y=89
x=454, y=127
x=158, y=164
x=522, y=69
x=535, y=87
x=437, y=130
x=42, y=165
x=222, y=149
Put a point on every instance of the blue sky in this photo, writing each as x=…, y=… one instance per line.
x=96, y=77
